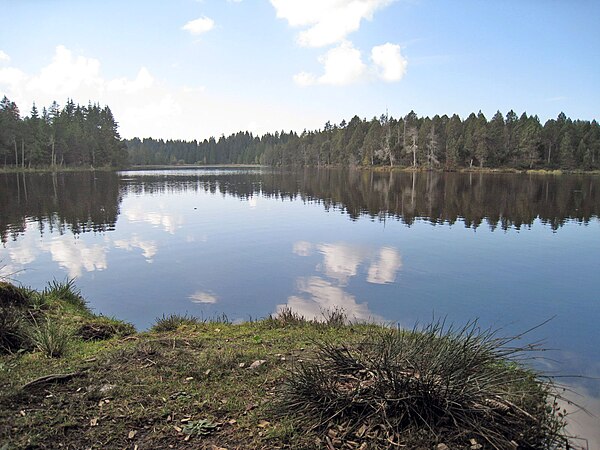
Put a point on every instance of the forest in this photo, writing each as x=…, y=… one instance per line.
x=80, y=136
x=83, y=136
x=441, y=142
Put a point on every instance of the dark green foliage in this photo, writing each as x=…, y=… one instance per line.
x=410, y=388
x=72, y=136
x=173, y=321
x=432, y=143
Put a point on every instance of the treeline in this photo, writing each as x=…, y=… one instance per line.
x=238, y=148
x=72, y=136
x=440, y=142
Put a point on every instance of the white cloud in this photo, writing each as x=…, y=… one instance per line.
x=199, y=26
x=326, y=21
x=143, y=105
x=203, y=297
x=144, y=80
x=67, y=73
x=4, y=57
x=342, y=66
x=12, y=77
x=389, y=61
x=384, y=269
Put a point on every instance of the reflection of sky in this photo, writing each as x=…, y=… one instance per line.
x=75, y=255
x=203, y=297
x=149, y=248
x=341, y=262
x=321, y=296
x=158, y=217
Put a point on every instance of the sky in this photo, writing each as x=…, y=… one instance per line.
x=191, y=69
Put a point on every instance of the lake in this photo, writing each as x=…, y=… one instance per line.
x=511, y=250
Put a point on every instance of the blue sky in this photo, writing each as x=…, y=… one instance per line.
x=192, y=69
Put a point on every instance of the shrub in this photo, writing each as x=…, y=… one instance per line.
x=173, y=321
x=413, y=388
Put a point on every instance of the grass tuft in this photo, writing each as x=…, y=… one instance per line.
x=67, y=292
x=285, y=317
x=51, y=338
x=335, y=317
x=409, y=388
x=173, y=321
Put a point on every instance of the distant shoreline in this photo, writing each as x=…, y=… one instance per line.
x=380, y=168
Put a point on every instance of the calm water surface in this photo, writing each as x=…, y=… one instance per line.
x=511, y=250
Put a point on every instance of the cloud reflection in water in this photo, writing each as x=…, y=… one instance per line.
x=149, y=248
x=340, y=263
x=74, y=255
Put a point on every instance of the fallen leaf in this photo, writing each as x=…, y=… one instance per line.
x=263, y=424
x=257, y=363
x=131, y=434
x=207, y=372
x=177, y=428
x=94, y=422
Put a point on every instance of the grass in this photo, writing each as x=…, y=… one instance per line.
x=431, y=386
x=281, y=382
x=65, y=291
x=50, y=337
x=172, y=322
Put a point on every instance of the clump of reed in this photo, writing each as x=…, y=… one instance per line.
x=461, y=387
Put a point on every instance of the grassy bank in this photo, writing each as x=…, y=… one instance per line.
x=71, y=379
